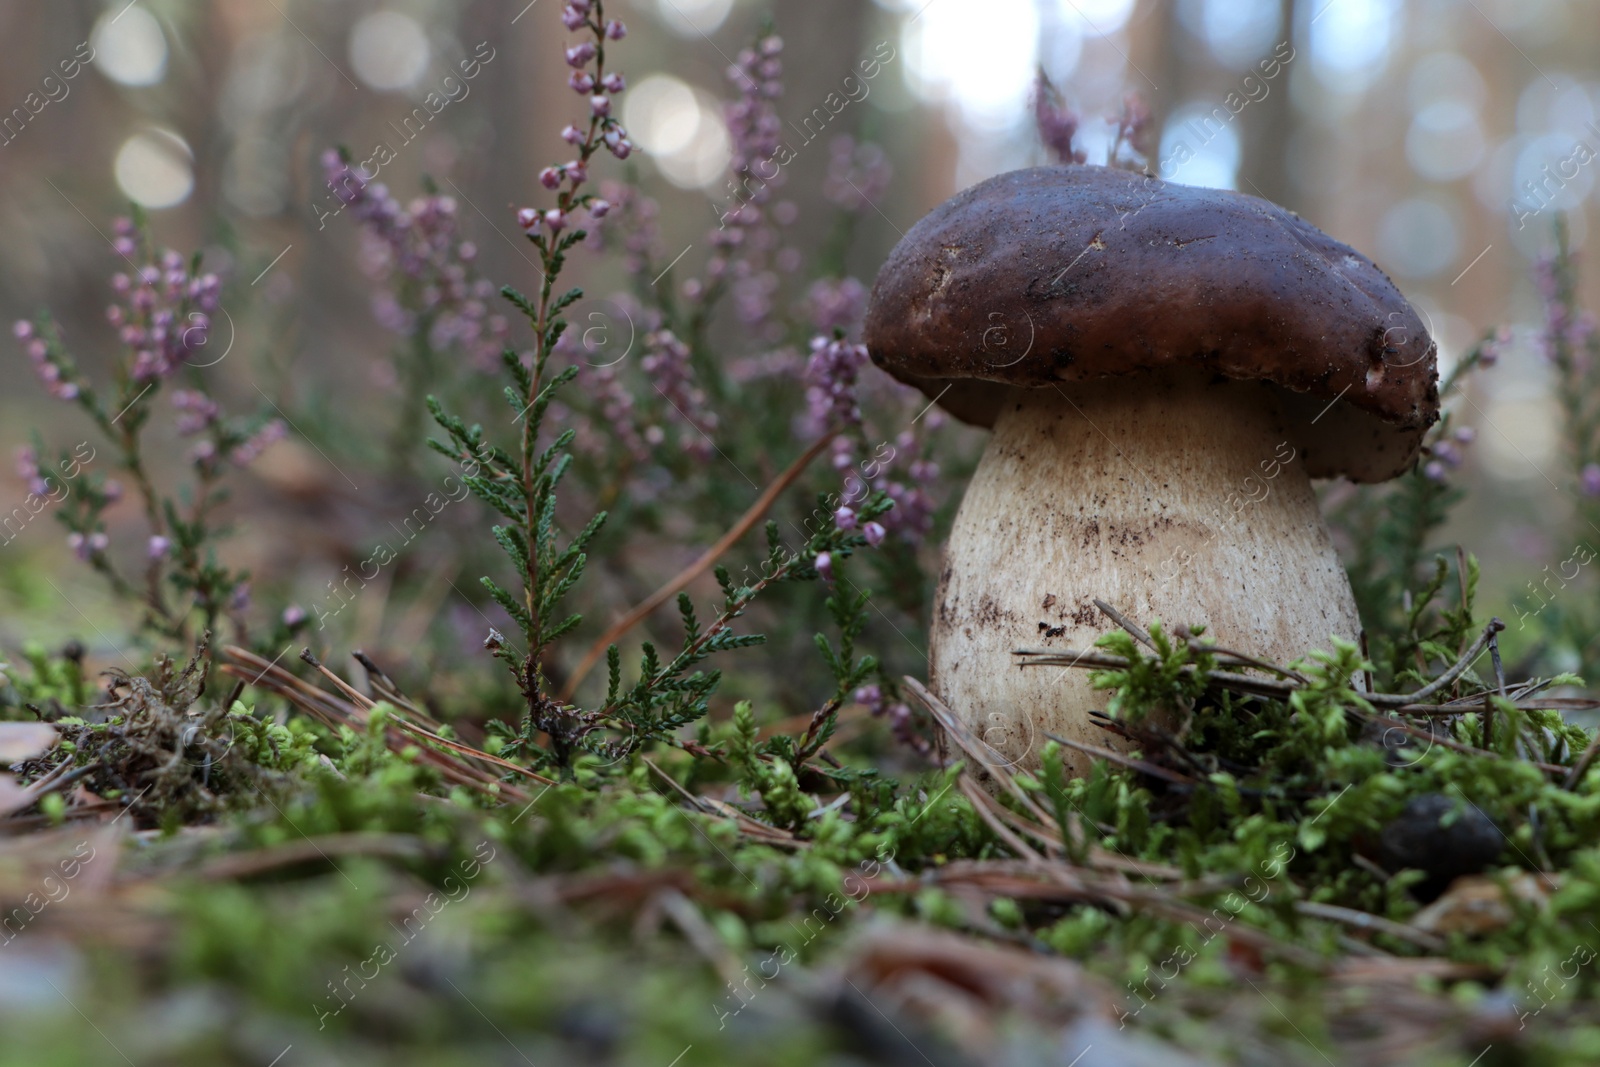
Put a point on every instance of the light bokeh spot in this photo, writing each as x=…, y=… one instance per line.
x=1236, y=32
x=691, y=18
x=129, y=47
x=1351, y=41
x=389, y=50
x=942, y=47
x=1418, y=238
x=679, y=129
x=1199, y=146
x=155, y=169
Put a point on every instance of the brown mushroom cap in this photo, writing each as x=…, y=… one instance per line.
x=1075, y=273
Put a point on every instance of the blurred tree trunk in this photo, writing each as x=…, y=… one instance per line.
x=1184, y=69
x=1264, y=161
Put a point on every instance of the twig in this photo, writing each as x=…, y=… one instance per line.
x=1453, y=745
x=813, y=739
x=981, y=802
x=335, y=713
x=980, y=750
x=751, y=827
x=1267, y=687
x=358, y=698
x=310, y=850
x=1494, y=627
x=1127, y=761
x=1580, y=768
x=1364, y=921
x=694, y=570
x=1140, y=634
x=1233, y=658
x=1500, y=681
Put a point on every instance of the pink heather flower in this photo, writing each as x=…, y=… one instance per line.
x=112, y=491
x=556, y=219
x=23, y=329
x=836, y=304
x=1465, y=435
x=830, y=376
x=293, y=616
x=239, y=600
x=617, y=423
x=581, y=82
x=1133, y=128
x=28, y=470
x=197, y=411
x=857, y=174
x=668, y=364
x=1591, y=480
x=599, y=208
x=748, y=250
x=550, y=178
x=528, y=219
x=845, y=518
x=1057, y=123
x=577, y=171
x=417, y=250
x=631, y=225
x=614, y=83
x=158, y=547
x=245, y=454
x=616, y=30
x=1434, y=471
x=600, y=105
x=580, y=53
x=79, y=545
x=898, y=714
x=572, y=18
x=1490, y=352
x=824, y=565
x=572, y=135
x=873, y=533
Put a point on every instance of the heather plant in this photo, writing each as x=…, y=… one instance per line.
x=164, y=311
x=429, y=293
x=1567, y=339
x=522, y=485
x=1403, y=579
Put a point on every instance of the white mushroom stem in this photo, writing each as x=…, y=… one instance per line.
x=1175, y=498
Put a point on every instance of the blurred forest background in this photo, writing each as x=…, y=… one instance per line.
x=1441, y=137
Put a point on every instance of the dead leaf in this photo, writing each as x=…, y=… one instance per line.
x=25, y=740
x=13, y=797
x=1476, y=904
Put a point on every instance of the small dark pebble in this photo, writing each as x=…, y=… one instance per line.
x=1443, y=837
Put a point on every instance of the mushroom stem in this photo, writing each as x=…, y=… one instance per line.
x=1179, y=498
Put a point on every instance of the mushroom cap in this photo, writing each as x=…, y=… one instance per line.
x=1074, y=273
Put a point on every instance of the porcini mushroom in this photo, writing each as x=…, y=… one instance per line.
x=1165, y=369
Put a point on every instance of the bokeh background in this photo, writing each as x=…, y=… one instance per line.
x=1441, y=137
